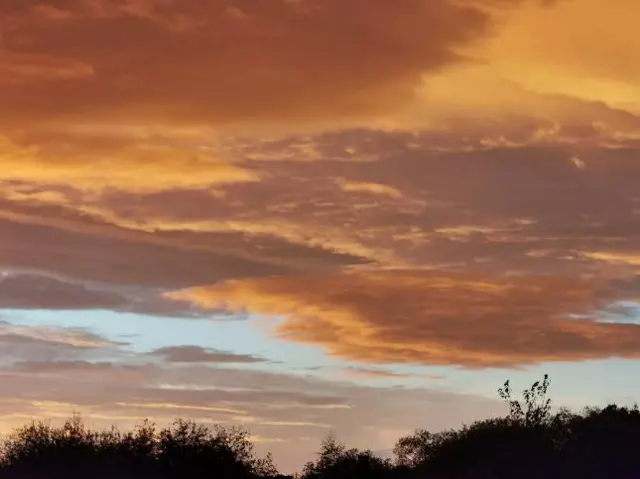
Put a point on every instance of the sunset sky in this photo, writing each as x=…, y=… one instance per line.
x=304, y=216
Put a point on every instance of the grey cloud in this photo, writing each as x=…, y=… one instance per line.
x=29, y=291
x=85, y=249
x=21, y=343
x=196, y=354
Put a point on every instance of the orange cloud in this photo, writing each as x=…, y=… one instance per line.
x=433, y=318
x=262, y=60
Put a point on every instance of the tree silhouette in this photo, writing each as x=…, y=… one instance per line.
x=183, y=449
x=603, y=442
x=537, y=406
x=421, y=447
x=335, y=461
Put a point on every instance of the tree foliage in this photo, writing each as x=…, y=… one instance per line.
x=335, y=461
x=183, y=449
x=537, y=407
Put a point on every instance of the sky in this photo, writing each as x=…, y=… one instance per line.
x=315, y=216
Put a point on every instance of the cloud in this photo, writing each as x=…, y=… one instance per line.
x=372, y=188
x=572, y=61
x=369, y=65
x=46, y=344
x=25, y=69
x=59, y=335
x=106, y=254
x=138, y=167
x=63, y=368
x=581, y=165
x=28, y=291
x=623, y=258
x=32, y=291
x=433, y=318
x=517, y=101
x=196, y=354
x=484, y=211
x=377, y=373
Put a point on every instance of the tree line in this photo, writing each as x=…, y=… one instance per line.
x=530, y=441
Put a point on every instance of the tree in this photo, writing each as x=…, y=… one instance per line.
x=538, y=406
x=335, y=461
x=186, y=449
x=495, y=448
x=183, y=449
x=420, y=447
x=603, y=442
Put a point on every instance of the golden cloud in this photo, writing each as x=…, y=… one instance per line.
x=581, y=53
x=630, y=259
x=141, y=168
x=432, y=318
x=576, y=73
x=368, y=187
x=31, y=195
